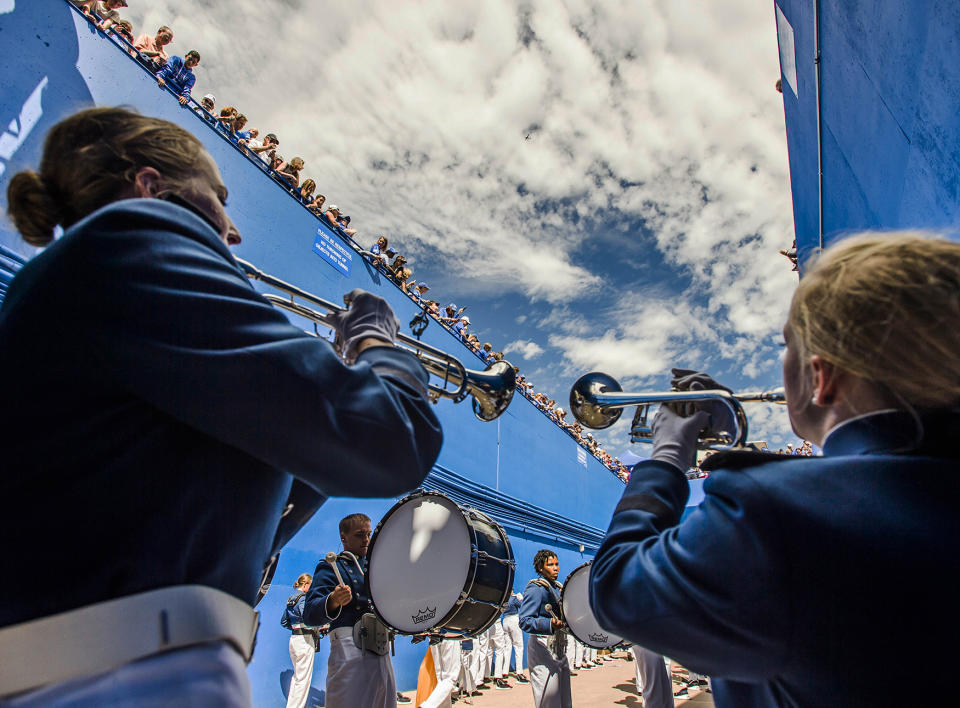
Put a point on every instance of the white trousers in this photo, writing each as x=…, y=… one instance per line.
x=212, y=674
x=549, y=676
x=574, y=652
x=498, y=648
x=653, y=679
x=514, y=638
x=358, y=678
x=478, y=657
x=466, y=675
x=302, y=649
x=447, y=663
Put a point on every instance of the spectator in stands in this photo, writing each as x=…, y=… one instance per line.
x=420, y=291
x=151, y=48
x=377, y=250
x=226, y=118
x=275, y=160
x=208, y=104
x=262, y=148
x=124, y=28
x=488, y=354
x=290, y=171
x=451, y=314
x=404, y=279
x=394, y=268
x=306, y=191
x=331, y=215
x=344, y=222
x=104, y=14
x=239, y=123
x=460, y=326
x=316, y=206
x=433, y=309
x=179, y=74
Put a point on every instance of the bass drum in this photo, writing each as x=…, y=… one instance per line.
x=438, y=568
x=577, y=614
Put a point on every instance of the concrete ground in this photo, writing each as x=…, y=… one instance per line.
x=610, y=684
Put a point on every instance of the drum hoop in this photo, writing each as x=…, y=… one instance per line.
x=438, y=629
x=471, y=573
x=563, y=594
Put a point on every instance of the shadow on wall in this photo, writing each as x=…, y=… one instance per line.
x=314, y=698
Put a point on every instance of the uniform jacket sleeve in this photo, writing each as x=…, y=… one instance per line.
x=315, y=605
x=533, y=619
x=186, y=332
x=706, y=591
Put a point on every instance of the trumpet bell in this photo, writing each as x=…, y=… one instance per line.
x=584, y=398
x=492, y=389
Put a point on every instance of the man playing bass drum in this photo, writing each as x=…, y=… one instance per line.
x=357, y=674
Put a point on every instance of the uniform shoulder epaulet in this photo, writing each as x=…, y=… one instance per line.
x=292, y=600
x=742, y=459
x=539, y=581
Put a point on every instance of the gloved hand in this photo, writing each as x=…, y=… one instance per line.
x=721, y=418
x=368, y=315
x=675, y=437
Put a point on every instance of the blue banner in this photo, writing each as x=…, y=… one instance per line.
x=333, y=252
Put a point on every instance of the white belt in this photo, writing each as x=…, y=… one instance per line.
x=98, y=638
x=342, y=632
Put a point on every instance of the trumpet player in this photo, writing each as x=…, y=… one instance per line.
x=796, y=575
x=175, y=428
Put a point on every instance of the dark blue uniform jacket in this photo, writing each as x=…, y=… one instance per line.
x=513, y=606
x=293, y=611
x=534, y=618
x=324, y=581
x=158, y=414
x=798, y=581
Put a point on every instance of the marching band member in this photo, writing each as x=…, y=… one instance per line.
x=356, y=675
x=303, y=643
x=796, y=573
x=447, y=665
x=189, y=432
x=546, y=650
x=514, y=635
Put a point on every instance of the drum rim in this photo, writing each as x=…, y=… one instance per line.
x=563, y=593
x=439, y=629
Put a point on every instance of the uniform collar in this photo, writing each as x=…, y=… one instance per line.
x=895, y=431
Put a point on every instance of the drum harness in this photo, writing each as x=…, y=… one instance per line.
x=369, y=633
x=557, y=643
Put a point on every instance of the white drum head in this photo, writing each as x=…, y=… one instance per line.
x=419, y=563
x=579, y=616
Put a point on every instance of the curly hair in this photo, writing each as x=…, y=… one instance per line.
x=541, y=558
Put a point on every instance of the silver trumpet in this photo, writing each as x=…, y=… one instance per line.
x=492, y=389
x=597, y=401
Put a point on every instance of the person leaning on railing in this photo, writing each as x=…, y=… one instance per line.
x=179, y=74
x=152, y=46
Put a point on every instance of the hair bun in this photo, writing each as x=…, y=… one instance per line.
x=32, y=208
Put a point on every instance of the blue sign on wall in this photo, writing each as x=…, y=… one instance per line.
x=333, y=252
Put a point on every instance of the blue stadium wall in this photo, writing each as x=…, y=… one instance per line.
x=521, y=468
x=888, y=119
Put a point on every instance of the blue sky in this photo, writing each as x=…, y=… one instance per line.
x=604, y=184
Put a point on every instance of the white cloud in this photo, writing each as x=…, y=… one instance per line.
x=476, y=133
x=527, y=349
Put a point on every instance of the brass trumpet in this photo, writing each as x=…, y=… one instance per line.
x=492, y=389
x=597, y=401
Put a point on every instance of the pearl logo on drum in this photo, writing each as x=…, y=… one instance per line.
x=424, y=615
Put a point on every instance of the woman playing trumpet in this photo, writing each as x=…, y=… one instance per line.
x=174, y=426
x=810, y=581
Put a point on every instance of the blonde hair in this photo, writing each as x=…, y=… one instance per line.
x=307, y=188
x=304, y=577
x=886, y=307
x=90, y=160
